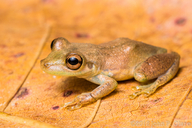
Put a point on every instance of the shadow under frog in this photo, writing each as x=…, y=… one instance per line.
x=74, y=85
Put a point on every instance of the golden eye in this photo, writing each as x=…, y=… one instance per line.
x=73, y=61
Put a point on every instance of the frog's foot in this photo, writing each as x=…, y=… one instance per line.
x=140, y=87
x=147, y=90
x=79, y=101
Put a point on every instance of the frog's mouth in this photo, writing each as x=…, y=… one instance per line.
x=62, y=70
x=55, y=69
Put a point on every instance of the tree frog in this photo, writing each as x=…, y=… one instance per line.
x=107, y=63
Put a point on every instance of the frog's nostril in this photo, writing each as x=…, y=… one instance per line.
x=47, y=65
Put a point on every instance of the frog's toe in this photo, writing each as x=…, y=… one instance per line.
x=68, y=104
x=72, y=105
x=134, y=88
x=147, y=94
x=142, y=87
x=133, y=96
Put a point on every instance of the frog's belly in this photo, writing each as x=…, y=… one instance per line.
x=119, y=75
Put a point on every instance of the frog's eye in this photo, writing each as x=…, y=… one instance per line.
x=73, y=61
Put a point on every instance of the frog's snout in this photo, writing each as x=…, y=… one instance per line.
x=45, y=64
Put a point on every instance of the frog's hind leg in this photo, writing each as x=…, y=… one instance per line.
x=161, y=66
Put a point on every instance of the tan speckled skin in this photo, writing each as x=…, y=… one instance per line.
x=122, y=55
x=107, y=63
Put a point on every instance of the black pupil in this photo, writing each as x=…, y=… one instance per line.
x=73, y=61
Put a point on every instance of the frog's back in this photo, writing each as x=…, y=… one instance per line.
x=126, y=43
x=122, y=55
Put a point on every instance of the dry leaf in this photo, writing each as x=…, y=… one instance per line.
x=31, y=97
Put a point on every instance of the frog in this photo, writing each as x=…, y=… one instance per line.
x=107, y=63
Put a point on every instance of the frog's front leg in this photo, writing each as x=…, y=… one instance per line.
x=161, y=66
x=107, y=85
